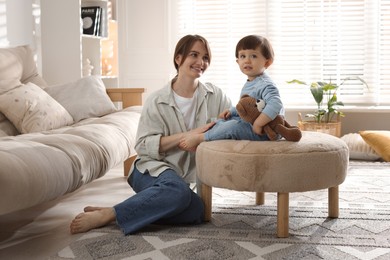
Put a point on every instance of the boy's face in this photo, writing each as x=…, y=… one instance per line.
x=252, y=63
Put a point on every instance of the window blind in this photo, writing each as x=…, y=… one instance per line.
x=312, y=39
x=3, y=24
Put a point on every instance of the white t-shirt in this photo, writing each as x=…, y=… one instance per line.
x=187, y=108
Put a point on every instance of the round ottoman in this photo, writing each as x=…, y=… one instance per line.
x=317, y=161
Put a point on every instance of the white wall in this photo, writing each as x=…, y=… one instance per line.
x=147, y=38
x=355, y=120
x=19, y=22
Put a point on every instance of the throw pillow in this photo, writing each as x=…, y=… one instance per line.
x=358, y=148
x=31, y=109
x=7, y=128
x=379, y=141
x=84, y=98
x=17, y=66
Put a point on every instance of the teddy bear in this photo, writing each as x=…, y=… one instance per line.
x=249, y=109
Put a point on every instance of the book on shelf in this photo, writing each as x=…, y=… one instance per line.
x=92, y=18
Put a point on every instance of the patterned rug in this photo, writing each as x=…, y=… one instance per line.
x=241, y=230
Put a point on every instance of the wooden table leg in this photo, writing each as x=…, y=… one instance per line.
x=333, y=202
x=206, y=195
x=282, y=212
x=260, y=198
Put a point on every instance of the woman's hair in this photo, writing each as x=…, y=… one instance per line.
x=251, y=42
x=184, y=45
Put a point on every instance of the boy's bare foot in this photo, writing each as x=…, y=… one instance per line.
x=93, y=217
x=190, y=142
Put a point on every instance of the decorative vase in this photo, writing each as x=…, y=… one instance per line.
x=87, y=68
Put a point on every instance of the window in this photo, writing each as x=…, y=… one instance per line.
x=312, y=39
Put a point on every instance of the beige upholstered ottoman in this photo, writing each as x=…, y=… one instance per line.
x=317, y=161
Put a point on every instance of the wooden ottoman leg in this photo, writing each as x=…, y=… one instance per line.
x=282, y=212
x=259, y=198
x=333, y=202
x=206, y=196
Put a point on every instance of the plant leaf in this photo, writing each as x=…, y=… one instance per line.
x=317, y=93
x=296, y=81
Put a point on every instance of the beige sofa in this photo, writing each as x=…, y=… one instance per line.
x=54, y=139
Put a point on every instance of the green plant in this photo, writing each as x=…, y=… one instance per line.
x=325, y=95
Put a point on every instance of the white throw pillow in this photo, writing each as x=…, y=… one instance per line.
x=17, y=66
x=6, y=127
x=358, y=148
x=31, y=109
x=84, y=98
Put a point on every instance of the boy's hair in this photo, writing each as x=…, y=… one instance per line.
x=184, y=45
x=252, y=42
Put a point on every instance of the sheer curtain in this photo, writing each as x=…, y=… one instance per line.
x=313, y=40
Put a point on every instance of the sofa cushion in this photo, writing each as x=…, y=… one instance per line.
x=31, y=109
x=379, y=141
x=6, y=127
x=358, y=148
x=39, y=167
x=17, y=66
x=83, y=98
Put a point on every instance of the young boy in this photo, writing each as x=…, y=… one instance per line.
x=254, y=54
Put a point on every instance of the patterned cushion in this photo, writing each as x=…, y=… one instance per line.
x=31, y=109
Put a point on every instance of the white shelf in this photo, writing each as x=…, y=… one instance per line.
x=65, y=48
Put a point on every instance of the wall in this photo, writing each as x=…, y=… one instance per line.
x=146, y=43
x=354, y=120
x=19, y=22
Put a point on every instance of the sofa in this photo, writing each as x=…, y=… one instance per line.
x=55, y=139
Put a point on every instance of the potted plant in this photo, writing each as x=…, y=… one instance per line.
x=326, y=118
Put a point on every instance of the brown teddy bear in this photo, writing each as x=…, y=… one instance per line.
x=249, y=109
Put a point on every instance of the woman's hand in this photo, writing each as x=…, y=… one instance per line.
x=202, y=129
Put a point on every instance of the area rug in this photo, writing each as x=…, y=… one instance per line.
x=241, y=230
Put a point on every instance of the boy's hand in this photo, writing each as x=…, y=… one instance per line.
x=257, y=129
x=225, y=114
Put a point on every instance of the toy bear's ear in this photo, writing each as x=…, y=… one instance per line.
x=260, y=104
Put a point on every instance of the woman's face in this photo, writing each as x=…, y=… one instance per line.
x=195, y=63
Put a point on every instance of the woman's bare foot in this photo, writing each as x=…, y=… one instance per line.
x=190, y=142
x=90, y=208
x=93, y=217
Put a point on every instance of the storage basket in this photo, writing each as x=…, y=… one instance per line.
x=332, y=128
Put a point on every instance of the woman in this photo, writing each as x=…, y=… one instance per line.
x=161, y=174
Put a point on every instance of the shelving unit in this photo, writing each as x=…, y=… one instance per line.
x=65, y=48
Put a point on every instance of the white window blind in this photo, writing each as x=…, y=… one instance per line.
x=312, y=39
x=3, y=24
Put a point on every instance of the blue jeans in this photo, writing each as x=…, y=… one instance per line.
x=165, y=199
x=234, y=128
